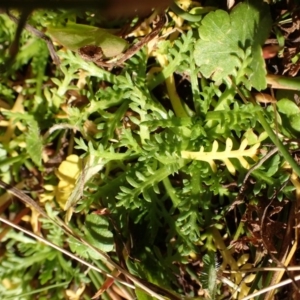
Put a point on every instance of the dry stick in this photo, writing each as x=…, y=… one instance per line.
x=280, y=284
x=253, y=168
x=22, y=196
x=275, y=114
x=40, y=35
x=130, y=52
x=29, y=201
x=284, y=152
x=295, y=181
x=111, y=8
x=271, y=287
x=292, y=163
x=138, y=282
x=262, y=269
x=144, y=41
x=16, y=220
x=14, y=48
x=265, y=244
x=284, y=254
x=290, y=251
x=41, y=239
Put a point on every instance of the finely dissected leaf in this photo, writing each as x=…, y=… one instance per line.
x=74, y=36
x=224, y=38
x=97, y=232
x=224, y=155
x=34, y=144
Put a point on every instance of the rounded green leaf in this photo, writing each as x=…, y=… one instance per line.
x=74, y=36
x=295, y=121
x=231, y=42
x=215, y=52
x=287, y=107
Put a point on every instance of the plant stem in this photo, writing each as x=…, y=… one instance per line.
x=188, y=16
x=41, y=290
x=285, y=153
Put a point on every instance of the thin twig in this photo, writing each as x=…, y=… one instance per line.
x=111, y=8
x=254, y=167
x=14, y=47
x=54, y=246
x=40, y=35
x=262, y=227
x=262, y=269
x=146, y=286
x=90, y=52
x=284, y=152
x=239, y=197
x=271, y=287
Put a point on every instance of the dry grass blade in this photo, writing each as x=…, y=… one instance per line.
x=286, y=253
x=40, y=35
x=253, y=168
x=272, y=287
x=99, y=150
x=112, y=7
x=263, y=269
x=29, y=201
x=41, y=239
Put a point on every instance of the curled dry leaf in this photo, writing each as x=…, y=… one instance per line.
x=270, y=51
x=264, y=98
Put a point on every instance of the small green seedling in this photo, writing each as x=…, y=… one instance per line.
x=75, y=36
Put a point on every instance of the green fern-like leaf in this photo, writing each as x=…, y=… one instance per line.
x=34, y=261
x=238, y=119
x=97, y=232
x=179, y=56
